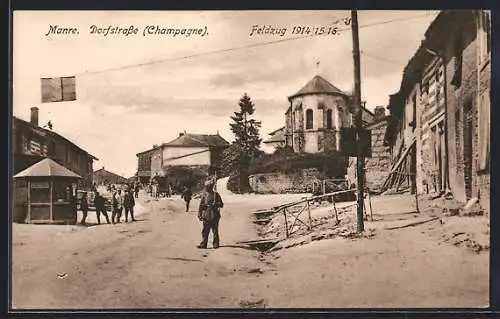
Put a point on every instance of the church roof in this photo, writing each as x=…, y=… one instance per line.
x=317, y=85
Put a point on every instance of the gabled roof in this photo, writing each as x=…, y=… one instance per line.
x=45, y=168
x=102, y=170
x=277, y=131
x=318, y=85
x=147, y=151
x=54, y=134
x=279, y=137
x=198, y=140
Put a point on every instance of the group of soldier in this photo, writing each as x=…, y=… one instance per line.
x=120, y=203
x=208, y=211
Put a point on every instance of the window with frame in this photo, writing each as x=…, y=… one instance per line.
x=413, y=121
x=35, y=147
x=329, y=119
x=309, y=119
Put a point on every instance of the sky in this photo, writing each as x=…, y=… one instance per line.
x=135, y=91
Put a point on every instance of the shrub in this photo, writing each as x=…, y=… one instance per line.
x=180, y=176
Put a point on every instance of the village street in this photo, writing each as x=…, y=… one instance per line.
x=154, y=263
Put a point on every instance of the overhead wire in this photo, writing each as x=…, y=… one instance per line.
x=248, y=46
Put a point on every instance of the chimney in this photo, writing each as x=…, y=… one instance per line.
x=34, y=116
x=379, y=112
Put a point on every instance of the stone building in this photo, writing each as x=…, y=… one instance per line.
x=315, y=116
x=32, y=143
x=443, y=109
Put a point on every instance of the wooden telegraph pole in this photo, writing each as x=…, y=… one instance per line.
x=358, y=120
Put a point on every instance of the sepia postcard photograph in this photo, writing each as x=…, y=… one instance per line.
x=250, y=159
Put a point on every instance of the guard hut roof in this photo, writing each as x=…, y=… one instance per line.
x=47, y=168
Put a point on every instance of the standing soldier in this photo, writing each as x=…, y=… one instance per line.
x=136, y=190
x=128, y=205
x=84, y=207
x=100, y=207
x=187, y=195
x=117, y=206
x=209, y=214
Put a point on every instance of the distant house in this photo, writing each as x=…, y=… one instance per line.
x=193, y=150
x=277, y=138
x=104, y=177
x=32, y=143
x=144, y=165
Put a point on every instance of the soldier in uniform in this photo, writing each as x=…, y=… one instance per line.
x=84, y=207
x=100, y=207
x=209, y=214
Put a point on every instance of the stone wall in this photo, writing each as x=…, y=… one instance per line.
x=278, y=183
x=379, y=165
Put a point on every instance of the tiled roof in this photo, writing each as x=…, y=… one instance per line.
x=278, y=137
x=317, y=85
x=108, y=174
x=197, y=140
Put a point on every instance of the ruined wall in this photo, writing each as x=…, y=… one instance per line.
x=379, y=165
x=458, y=101
x=432, y=120
x=483, y=178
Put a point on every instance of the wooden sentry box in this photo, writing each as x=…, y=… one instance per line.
x=50, y=194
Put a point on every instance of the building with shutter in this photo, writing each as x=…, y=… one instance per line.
x=32, y=143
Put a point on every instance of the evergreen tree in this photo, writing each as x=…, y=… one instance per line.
x=247, y=140
x=245, y=128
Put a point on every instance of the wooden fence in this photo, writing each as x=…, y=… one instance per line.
x=298, y=208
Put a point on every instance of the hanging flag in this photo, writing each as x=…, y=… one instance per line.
x=59, y=89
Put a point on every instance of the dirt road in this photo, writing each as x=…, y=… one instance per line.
x=154, y=263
